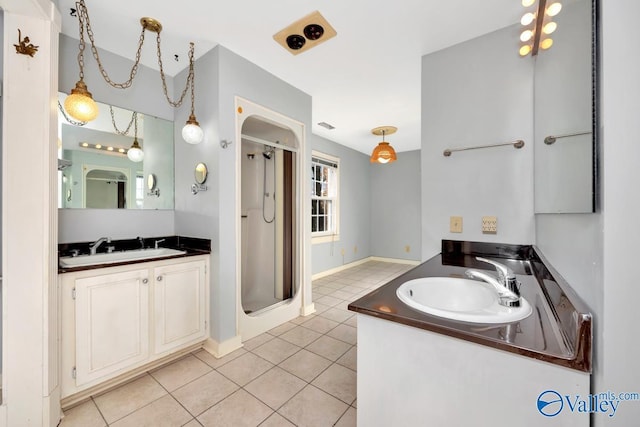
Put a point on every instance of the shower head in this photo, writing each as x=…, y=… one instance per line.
x=268, y=153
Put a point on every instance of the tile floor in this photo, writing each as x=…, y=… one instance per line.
x=302, y=373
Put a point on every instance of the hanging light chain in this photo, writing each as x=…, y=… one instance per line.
x=164, y=81
x=192, y=81
x=134, y=117
x=83, y=18
x=81, y=45
x=69, y=119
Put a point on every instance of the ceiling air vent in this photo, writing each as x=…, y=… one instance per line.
x=326, y=125
x=305, y=33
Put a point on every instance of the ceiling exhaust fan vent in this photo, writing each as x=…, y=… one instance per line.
x=305, y=33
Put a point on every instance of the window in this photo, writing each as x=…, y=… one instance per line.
x=139, y=190
x=324, y=197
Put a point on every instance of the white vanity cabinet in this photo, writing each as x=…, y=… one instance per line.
x=117, y=320
x=111, y=323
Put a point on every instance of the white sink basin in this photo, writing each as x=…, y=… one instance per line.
x=459, y=299
x=138, y=254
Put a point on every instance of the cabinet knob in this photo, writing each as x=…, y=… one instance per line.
x=159, y=278
x=145, y=280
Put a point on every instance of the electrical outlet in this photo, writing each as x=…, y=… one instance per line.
x=407, y=249
x=355, y=249
x=342, y=251
x=455, y=224
x=489, y=225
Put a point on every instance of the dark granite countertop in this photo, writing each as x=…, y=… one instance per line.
x=559, y=330
x=191, y=245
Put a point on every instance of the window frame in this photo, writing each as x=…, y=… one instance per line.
x=331, y=235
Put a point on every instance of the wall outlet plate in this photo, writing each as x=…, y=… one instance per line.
x=489, y=225
x=455, y=224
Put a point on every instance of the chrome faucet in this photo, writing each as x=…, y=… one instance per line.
x=93, y=248
x=155, y=244
x=506, y=285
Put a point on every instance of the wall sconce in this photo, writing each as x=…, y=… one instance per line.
x=538, y=26
x=200, y=174
x=80, y=104
x=383, y=153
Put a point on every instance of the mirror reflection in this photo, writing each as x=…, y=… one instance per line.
x=201, y=173
x=564, y=141
x=98, y=168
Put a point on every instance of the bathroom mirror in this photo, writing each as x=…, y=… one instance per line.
x=201, y=173
x=564, y=111
x=91, y=152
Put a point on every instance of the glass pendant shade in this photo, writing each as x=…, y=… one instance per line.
x=383, y=153
x=135, y=153
x=192, y=133
x=80, y=104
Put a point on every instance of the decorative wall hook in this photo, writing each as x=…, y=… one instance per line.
x=24, y=46
x=225, y=143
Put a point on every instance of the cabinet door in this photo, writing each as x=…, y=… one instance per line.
x=112, y=324
x=179, y=305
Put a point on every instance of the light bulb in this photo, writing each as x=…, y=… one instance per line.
x=527, y=3
x=524, y=50
x=526, y=35
x=135, y=153
x=192, y=133
x=546, y=43
x=527, y=18
x=549, y=27
x=554, y=9
x=98, y=146
x=81, y=107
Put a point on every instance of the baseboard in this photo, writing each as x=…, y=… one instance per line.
x=362, y=261
x=220, y=349
x=396, y=260
x=339, y=268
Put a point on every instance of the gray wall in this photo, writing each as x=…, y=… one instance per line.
x=476, y=93
x=145, y=96
x=220, y=76
x=395, y=207
x=355, y=215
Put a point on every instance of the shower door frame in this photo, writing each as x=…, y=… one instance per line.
x=250, y=326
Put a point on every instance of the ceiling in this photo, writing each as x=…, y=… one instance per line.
x=367, y=76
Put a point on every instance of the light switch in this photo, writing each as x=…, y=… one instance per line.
x=455, y=224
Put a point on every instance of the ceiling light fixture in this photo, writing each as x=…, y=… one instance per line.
x=383, y=153
x=135, y=153
x=80, y=104
x=538, y=25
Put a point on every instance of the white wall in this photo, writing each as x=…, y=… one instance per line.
x=30, y=373
x=395, y=207
x=618, y=367
x=475, y=93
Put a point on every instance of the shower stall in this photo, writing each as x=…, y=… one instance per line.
x=268, y=192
